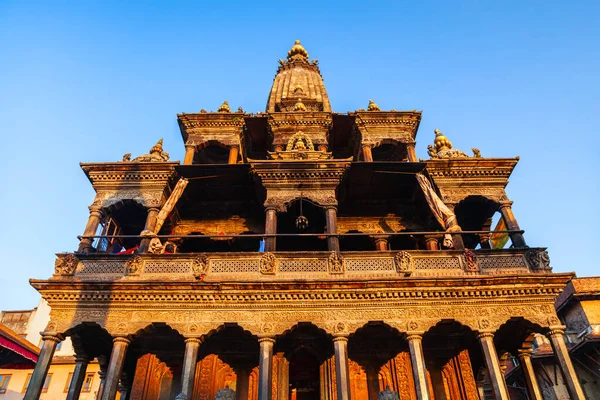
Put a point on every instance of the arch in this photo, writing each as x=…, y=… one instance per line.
x=212, y=152
x=515, y=334
x=286, y=223
x=90, y=338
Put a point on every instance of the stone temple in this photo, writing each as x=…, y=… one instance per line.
x=300, y=253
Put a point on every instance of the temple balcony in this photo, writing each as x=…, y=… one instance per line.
x=301, y=266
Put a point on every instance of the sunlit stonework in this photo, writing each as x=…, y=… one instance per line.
x=196, y=280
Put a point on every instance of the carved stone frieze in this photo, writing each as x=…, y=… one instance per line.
x=336, y=263
x=134, y=265
x=469, y=260
x=65, y=264
x=268, y=264
x=151, y=198
x=200, y=266
x=404, y=263
x=282, y=198
x=538, y=259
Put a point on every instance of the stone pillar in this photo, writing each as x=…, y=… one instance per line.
x=242, y=383
x=372, y=381
x=417, y=360
x=234, y=151
x=49, y=342
x=115, y=367
x=511, y=224
x=102, y=375
x=271, y=229
x=412, y=154
x=190, y=152
x=492, y=364
x=90, y=229
x=265, y=368
x=342, y=370
x=431, y=243
x=381, y=243
x=333, y=242
x=190, y=359
x=367, y=152
x=533, y=389
x=150, y=225
x=81, y=364
x=561, y=353
x=283, y=377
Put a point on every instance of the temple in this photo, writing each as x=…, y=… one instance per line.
x=303, y=254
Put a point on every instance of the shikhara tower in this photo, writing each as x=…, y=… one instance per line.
x=300, y=253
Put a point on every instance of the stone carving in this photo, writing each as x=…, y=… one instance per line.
x=133, y=265
x=335, y=263
x=267, y=328
x=155, y=246
x=412, y=325
x=225, y=394
x=224, y=108
x=442, y=148
x=372, y=106
x=340, y=327
x=200, y=266
x=65, y=264
x=553, y=321
x=300, y=141
x=476, y=152
x=268, y=264
x=387, y=394
x=157, y=154
x=484, y=323
x=539, y=259
x=470, y=261
x=404, y=263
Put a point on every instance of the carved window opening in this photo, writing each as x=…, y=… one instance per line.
x=286, y=223
x=474, y=213
x=212, y=154
x=389, y=152
x=125, y=217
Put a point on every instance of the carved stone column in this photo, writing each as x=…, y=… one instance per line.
x=511, y=224
x=103, y=363
x=381, y=243
x=150, y=225
x=81, y=364
x=271, y=229
x=342, y=370
x=417, y=360
x=561, y=353
x=90, y=229
x=533, y=389
x=49, y=342
x=233, y=154
x=412, y=154
x=190, y=152
x=372, y=381
x=431, y=242
x=115, y=367
x=492, y=364
x=242, y=383
x=265, y=368
x=333, y=242
x=283, y=377
x=367, y=152
x=190, y=359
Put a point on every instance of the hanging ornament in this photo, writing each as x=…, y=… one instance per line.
x=301, y=221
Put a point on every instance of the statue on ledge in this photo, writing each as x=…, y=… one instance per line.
x=442, y=148
x=156, y=155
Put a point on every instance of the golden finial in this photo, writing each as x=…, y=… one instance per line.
x=298, y=52
x=441, y=142
x=373, y=106
x=157, y=147
x=224, y=107
x=299, y=106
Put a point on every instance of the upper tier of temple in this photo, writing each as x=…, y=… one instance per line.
x=298, y=85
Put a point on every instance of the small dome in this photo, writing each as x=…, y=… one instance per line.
x=297, y=52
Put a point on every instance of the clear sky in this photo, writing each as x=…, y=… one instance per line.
x=90, y=81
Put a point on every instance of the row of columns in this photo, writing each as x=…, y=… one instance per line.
x=109, y=384
x=190, y=152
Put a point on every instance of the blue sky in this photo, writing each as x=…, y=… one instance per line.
x=90, y=81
